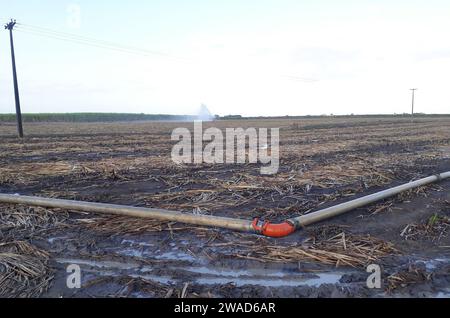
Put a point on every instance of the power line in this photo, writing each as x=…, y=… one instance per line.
x=88, y=39
x=83, y=43
x=92, y=44
x=71, y=36
x=84, y=40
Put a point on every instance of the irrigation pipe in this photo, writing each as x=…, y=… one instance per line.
x=265, y=228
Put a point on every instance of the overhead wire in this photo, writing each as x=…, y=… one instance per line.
x=65, y=35
x=81, y=42
x=84, y=40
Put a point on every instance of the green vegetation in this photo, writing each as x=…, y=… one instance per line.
x=114, y=117
x=90, y=117
x=404, y=115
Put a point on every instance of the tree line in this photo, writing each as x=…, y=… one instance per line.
x=91, y=117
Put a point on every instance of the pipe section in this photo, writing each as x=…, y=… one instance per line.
x=265, y=228
x=156, y=214
x=327, y=213
x=272, y=229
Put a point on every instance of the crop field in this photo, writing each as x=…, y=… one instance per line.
x=323, y=162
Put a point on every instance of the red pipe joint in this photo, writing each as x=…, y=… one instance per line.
x=273, y=230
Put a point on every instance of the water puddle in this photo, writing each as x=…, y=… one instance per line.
x=170, y=256
x=99, y=264
x=154, y=278
x=179, y=256
x=136, y=243
x=433, y=264
x=235, y=272
x=133, y=252
x=443, y=294
x=57, y=238
x=109, y=268
x=141, y=250
x=208, y=276
x=322, y=278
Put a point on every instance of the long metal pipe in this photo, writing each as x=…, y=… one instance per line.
x=318, y=216
x=256, y=226
x=156, y=214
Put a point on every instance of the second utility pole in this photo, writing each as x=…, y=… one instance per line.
x=412, y=106
x=10, y=26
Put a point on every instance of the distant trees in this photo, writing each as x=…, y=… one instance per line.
x=232, y=117
x=90, y=117
x=114, y=117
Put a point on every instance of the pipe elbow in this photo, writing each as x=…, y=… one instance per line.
x=273, y=230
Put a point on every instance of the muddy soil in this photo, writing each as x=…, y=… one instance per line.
x=177, y=260
x=125, y=265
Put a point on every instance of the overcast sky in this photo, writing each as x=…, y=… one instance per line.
x=249, y=57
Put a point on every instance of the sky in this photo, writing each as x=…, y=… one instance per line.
x=247, y=57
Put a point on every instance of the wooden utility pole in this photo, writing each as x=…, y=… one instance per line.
x=10, y=26
x=412, y=105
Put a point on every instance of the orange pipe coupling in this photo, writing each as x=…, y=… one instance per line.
x=273, y=230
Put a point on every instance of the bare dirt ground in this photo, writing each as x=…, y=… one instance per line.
x=323, y=162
